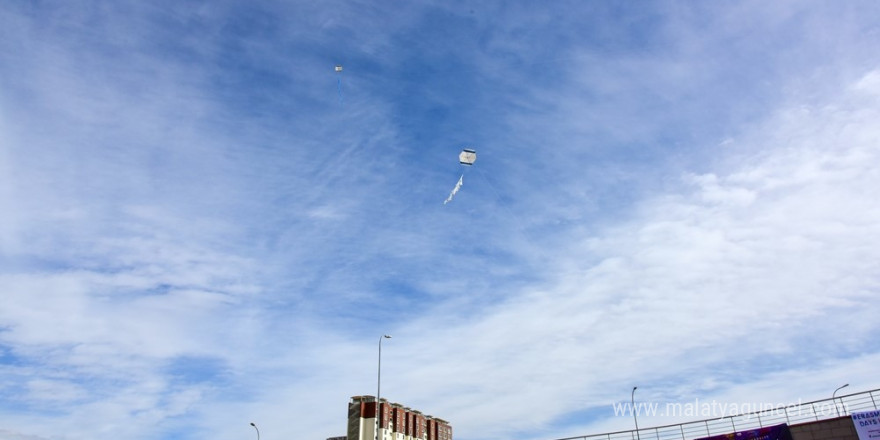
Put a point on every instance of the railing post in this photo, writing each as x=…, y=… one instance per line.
x=815, y=414
x=760, y=424
x=871, y=393
x=787, y=420
x=732, y=425
x=681, y=428
x=706, y=422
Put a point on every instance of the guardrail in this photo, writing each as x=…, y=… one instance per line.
x=824, y=409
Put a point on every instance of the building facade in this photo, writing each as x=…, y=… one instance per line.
x=396, y=422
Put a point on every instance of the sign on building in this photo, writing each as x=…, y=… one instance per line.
x=867, y=424
x=776, y=432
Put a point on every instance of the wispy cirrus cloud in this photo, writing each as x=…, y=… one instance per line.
x=198, y=233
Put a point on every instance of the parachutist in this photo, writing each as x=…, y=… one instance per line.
x=467, y=157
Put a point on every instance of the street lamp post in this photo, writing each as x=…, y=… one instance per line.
x=258, y=430
x=632, y=402
x=833, y=399
x=379, y=385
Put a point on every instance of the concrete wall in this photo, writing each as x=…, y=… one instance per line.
x=841, y=428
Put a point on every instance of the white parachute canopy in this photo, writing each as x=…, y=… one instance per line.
x=467, y=157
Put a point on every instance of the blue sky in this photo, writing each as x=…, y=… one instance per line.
x=204, y=225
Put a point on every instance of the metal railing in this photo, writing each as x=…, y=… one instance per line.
x=824, y=409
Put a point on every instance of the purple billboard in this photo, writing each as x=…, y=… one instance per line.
x=776, y=432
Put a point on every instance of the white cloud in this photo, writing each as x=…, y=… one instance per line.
x=870, y=83
x=769, y=257
x=212, y=255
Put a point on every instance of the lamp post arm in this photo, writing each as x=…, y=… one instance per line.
x=258, y=430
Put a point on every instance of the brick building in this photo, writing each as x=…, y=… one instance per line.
x=396, y=422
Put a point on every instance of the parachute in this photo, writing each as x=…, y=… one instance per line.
x=467, y=157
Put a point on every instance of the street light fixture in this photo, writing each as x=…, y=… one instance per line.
x=379, y=384
x=632, y=402
x=835, y=401
x=258, y=430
